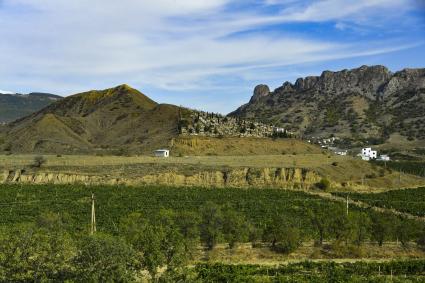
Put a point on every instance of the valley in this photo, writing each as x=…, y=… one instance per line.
x=248, y=197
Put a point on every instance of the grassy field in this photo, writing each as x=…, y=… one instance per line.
x=344, y=172
x=287, y=160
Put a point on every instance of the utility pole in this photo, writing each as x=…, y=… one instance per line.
x=93, y=216
x=347, y=205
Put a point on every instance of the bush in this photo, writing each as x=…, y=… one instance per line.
x=289, y=241
x=39, y=161
x=103, y=258
x=324, y=184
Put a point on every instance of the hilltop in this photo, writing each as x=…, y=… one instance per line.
x=124, y=121
x=119, y=119
x=361, y=104
x=15, y=106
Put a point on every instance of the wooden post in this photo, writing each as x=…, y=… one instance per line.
x=93, y=216
x=347, y=204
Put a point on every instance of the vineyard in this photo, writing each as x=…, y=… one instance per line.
x=411, y=201
x=147, y=229
x=410, y=167
x=24, y=203
x=397, y=271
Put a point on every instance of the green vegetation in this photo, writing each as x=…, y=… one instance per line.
x=397, y=271
x=408, y=200
x=44, y=231
x=410, y=167
x=324, y=184
x=38, y=161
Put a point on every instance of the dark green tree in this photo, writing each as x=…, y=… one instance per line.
x=283, y=236
x=320, y=221
x=103, y=258
x=158, y=241
x=35, y=255
x=361, y=225
x=188, y=224
x=235, y=227
x=381, y=228
x=404, y=231
x=211, y=224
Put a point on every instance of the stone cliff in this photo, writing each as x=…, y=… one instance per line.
x=360, y=103
x=242, y=177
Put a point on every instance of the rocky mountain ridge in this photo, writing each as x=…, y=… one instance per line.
x=366, y=102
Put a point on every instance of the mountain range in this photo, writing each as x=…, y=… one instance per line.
x=15, y=106
x=366, y=103
x=362, y=103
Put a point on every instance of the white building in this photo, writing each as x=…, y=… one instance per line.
x=162, y=153
x=383, y=158
x=278, y=130
x=368, y=153
x=338, y=151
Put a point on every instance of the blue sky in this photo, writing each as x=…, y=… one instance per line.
x=205, y=54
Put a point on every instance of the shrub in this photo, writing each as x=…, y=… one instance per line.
x=39, y=161
x=289, y=241
x=324, y=184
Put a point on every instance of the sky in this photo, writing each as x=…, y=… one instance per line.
x=203, y=54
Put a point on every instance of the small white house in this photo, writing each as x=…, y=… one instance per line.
x=338, y=151
x=368, y=152
x=383, y=158
x=162, y=153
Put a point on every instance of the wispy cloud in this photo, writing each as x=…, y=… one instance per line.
x=180, y=45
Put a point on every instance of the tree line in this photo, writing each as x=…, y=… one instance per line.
x=161, y=245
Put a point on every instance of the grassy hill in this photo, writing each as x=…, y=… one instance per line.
x=124, y=121
x=119, y=120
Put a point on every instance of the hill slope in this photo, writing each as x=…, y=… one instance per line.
x=15, y=106
x=119, y=119
x=360, y=103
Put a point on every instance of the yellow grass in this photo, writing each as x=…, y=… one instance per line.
x=257, y=161
x=344, y=172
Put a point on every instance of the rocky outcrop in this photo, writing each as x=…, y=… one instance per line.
x=366, y=102
x=259, y=92
x=243, y=177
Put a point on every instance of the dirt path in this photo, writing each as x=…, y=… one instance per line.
x=366, y=205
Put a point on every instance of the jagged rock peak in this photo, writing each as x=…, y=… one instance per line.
x=259, y=92
x=366, y=77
